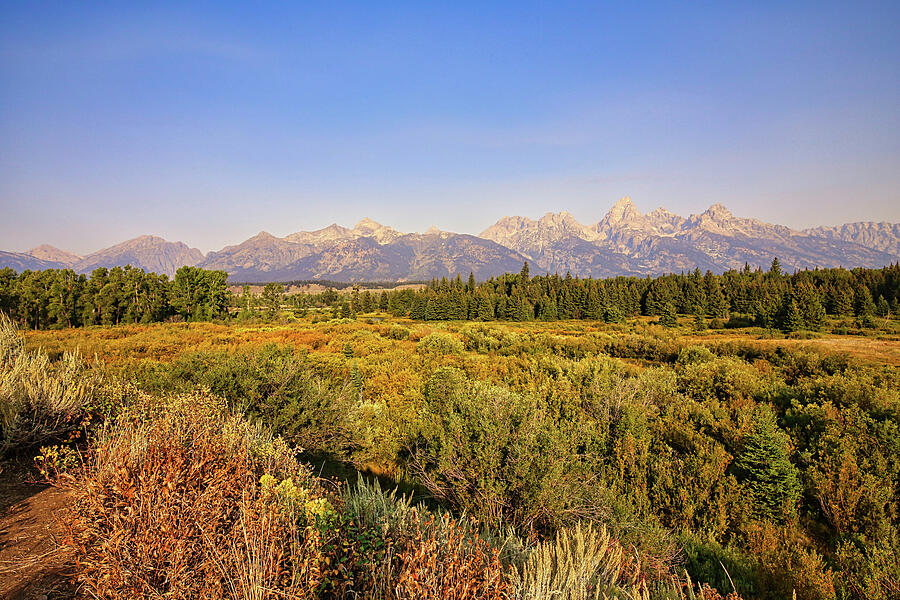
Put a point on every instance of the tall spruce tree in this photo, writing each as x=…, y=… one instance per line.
x=764, y=465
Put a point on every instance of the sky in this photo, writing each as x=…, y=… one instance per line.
x=209, y=122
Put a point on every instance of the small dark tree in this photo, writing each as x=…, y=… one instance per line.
x=863, y=303
x=699, y=323
x=668, y=317
x=765, y=466
x=790, y=317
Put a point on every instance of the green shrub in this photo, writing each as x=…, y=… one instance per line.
x=40, y=402
x=439, y=344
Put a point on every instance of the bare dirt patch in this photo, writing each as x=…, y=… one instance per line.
x=33, y=565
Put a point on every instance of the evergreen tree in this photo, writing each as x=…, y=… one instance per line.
x=566, y=305
x=699, y=323
x=484, y=308
x=346, y=311
x=811, y=310
x=775, y=269
x=668, y=316
x=716, y=303
x=863, y=303
x=841, y=300
x=790, y=317
x=765, y=467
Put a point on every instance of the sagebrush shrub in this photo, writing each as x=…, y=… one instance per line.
x=180, y=500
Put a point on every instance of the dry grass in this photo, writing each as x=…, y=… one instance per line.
x=165, y=341
x=580, y=564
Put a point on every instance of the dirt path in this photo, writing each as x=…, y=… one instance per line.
x=32, y=565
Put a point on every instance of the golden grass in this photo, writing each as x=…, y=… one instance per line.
x=165, y=341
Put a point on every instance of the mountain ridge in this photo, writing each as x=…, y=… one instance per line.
x=623, y=242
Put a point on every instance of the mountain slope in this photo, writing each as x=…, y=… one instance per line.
x=878, y=236
x=339, y=254
x=147, y=252
x=628, y=242
x=53, y=254
x=623, y=242
x=22, y=262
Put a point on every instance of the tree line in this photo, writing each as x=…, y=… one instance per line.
x=61, y=298
x=771, y=298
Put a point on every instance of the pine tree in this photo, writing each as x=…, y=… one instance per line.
x=566, y=306
x=775, y=269
x=841, y=303
x=717, y=304
x=882, y=308
x=791, y=319
x=346, y=311
x=668, y=317
x=862, y=303
x=484, y=308
x=765, y=466
x=699, y=321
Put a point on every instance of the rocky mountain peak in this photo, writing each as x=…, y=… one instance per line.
x=149, y=252
x=54, y=254
x=560, y=219
x=622, y=211
x=381, y=233
x=718, y=212
x=625, y=242
x=623, y=215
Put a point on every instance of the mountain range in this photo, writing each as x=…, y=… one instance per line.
x=624, y=242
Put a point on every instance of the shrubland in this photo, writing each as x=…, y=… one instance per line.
x=624, y=457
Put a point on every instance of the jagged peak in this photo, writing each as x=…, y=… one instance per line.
x=560, y=218
x=662, y=212
x=367, y=222
x=433, y=230
x=718, y=211
x=622, y=210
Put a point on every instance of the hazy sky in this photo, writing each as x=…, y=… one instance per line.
x=209, y=122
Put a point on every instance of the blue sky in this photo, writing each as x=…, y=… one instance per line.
x=208, y=122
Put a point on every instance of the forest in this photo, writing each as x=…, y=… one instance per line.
x=689, y=436
x=769, y=299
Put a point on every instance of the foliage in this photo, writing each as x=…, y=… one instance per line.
x=175, y=500
x=40, y=402
x=762, y=465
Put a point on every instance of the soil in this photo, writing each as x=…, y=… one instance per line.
x=33, y=565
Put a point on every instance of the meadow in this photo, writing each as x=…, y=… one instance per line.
x=744, y=461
